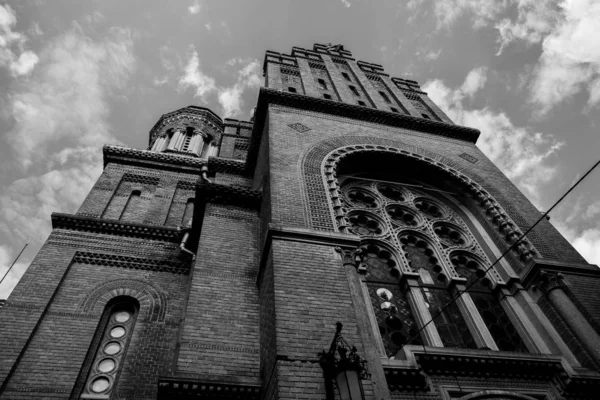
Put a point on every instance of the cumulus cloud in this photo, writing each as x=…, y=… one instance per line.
x=12, y=43
x=449, y=11
x=230, y=98
x=570, y=60
x=195, y=7
x=524, y=156
x=346, y=3
x=60, y=120
x=193, y=77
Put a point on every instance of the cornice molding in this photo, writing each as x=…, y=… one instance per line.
x=226, y=165
x=115, y=228
x=225, y=194
x=268, y=96
x=151, y=159
x=341, y=242
x=147, y=264
x=170, y=388
x=537, y=266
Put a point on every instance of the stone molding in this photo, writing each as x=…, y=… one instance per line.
x=227, y=165
x=201, y=113
x=169, y=388
x=148, y=264
x=537, y=266
x=500, y=219
x=270, y=96
x=342, y=241
x=230, y=195
x=113, y=227
x=152, y=159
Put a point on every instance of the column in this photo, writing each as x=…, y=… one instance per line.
x=552, y=285
x=159, y=143
x=477, y=327
x=173, y=142
x=422, y=314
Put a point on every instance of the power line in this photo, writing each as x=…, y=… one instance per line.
x=14, y=262
x=417, y=334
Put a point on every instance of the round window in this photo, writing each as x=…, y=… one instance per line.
x=99, y=385
x=112, y=348
x=117, y=332
x=122, y=316
x=107, y=365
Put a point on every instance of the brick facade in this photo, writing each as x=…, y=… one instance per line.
x=232, y=242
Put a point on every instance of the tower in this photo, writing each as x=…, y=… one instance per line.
x=216, y=263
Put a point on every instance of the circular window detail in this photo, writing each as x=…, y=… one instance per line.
x=361, y=198
x=117, y=332
x=429, y=208
x=107, y=365
x=100, y=384
x=392, y=193
x=366, y=224
x=112, y=348
x=122, y=316
x=470, y=268
x=450, y=234
x=403, y=216
x=380, y=265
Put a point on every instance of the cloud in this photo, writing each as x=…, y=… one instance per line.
x=195, y=7
x=448, y=12
x=346, y=3
x=19, y=65
x=60, y=120
x=230, y=98
x=524, y=156
x=570, y=60
x=193, y=77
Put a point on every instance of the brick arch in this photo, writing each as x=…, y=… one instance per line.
x=153, y=301
x=323, y=204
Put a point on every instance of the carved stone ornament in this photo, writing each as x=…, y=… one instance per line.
x=549, y=281
x=352, y=257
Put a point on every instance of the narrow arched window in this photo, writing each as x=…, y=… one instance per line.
x=132, y=206
x=105, y=362
x=188, y=213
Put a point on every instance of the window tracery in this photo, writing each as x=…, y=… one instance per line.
x=409, y=232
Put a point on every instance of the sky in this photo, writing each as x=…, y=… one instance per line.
x=75, y=75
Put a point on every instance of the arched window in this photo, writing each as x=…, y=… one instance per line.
x=132, y=206
x=403, y=224
x=104, y=363
x=188, y=213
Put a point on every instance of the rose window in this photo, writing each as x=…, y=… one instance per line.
x=392, y=193
x=403, y=216
x=360, y=198
x=365, y=225
x=450, y=234
x=429, y=208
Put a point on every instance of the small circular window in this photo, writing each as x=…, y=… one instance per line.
x=117, y=332
x=100, y=384
x=107, y=365
x=112, y=348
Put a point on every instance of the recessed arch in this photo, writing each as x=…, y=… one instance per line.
x=322, y=161
x=152, y=300
x=496, y=395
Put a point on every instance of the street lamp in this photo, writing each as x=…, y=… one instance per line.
x=343, y=368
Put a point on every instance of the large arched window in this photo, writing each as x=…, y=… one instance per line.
x=405, y=224
x=105, y=360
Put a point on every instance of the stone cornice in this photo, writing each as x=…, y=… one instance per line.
x=115, y=228
x=193, y=110
x=270, y=96
x=277, y=232
x=181, y=388
x=152, y=159
x=226, y=194
x=227, y=165
x=536, y=266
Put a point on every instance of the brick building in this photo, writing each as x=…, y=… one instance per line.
x=216, y=263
